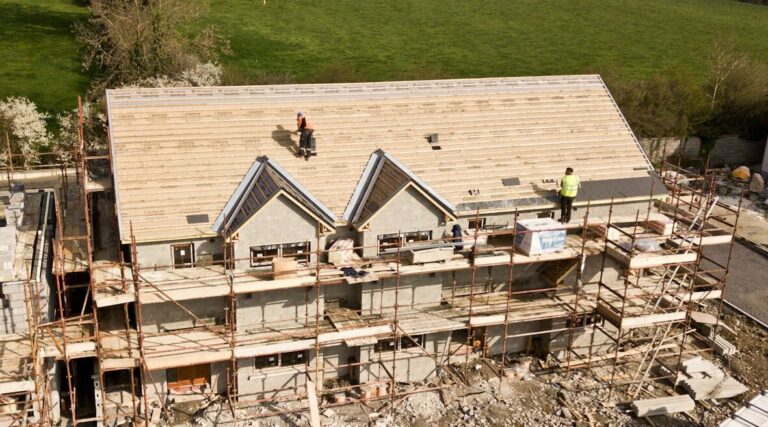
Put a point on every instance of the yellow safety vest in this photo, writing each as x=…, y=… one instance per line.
x=569, y=186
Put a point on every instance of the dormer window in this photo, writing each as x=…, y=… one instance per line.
x=261, y=256
x=388, y=243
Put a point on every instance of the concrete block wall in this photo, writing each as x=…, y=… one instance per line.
x=734, y=151
x=671, y=148
x=13, y=315
x=582, y=339
x=525, y=276
x=13, y=318
x=727, y=149
x=335, y=360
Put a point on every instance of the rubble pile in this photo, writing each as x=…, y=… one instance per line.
x=525, y=396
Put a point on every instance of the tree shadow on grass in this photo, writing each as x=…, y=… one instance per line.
x=28, y=22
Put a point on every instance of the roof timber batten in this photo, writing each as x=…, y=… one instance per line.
x=162, y=137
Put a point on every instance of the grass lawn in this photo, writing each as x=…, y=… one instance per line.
x=38, y=53
x=331, y=40
x=336, y=40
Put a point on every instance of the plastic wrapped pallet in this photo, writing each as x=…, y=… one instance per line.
x=539, y=236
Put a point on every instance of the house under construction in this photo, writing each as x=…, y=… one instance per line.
x=201, y=253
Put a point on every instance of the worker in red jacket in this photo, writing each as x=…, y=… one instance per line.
x=305, y=128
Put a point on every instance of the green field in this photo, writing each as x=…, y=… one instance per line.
x=38, y=53
x=334, y=40
x=379, y=40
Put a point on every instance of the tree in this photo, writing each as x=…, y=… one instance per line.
x=128, y=41
x=207, y=74
x=737, y=92
x=25, y=128
x=94, y=131
x=660, y=106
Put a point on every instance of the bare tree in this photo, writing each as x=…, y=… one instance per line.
x=737, y=90
x=723, y=61
x=126, y=41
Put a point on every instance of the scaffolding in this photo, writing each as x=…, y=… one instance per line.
x=645, y=316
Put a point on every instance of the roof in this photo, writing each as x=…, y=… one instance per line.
x=263, y=181
x=383, y=178
x=180, y=152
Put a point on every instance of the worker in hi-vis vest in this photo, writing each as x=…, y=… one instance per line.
x=569, y=187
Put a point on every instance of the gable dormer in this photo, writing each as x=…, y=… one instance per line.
x=384, y=178
x=391, y=206
x=271, y=215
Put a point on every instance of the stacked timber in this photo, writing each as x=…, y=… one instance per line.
x=284, y=268
x=714, y=388
x=663, y=405
x=660, y=226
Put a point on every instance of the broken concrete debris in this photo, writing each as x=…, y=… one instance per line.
x=663, y=405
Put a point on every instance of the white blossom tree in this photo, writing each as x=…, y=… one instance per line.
x=207, y=74
x=94, y=129
x=25, y=128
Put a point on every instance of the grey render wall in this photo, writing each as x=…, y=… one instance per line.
x=280, y=221
x=524, y=276
x=408, y=211
x=254, y=384
x=169, y=316
x=516, y=344
x=336, y=359
x=160, y=254
x=411, y=364
x=413, y=292
x=278, y=308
